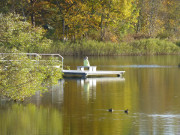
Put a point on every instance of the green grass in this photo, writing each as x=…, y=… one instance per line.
x=138, y=47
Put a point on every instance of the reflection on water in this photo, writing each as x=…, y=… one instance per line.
x=89, y=85
x=18, y=119
x=166, y=124
x=79, y=106
x=143, y=66
x=54, y=96
x=34, y=116
x=169, y=123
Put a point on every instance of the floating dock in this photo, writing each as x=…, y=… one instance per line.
x=87, y=73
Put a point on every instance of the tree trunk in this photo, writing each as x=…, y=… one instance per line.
x=32, y=14
x=152, y=18
x=63, y=25
x=102, y=20
x=23, y=11
x=140, y=17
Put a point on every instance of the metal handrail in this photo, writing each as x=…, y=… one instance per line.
x=54, y=55
x=22, y=53
x=37, y=55
x=30, y=54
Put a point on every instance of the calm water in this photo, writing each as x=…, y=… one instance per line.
x=150, y=89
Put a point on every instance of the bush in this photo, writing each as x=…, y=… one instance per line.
x=18, y=34
x=22, y=77
x=178, y=43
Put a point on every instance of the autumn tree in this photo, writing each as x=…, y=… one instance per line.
x=105, y=20
x=171, y=15
x=15, y=33
x=158, y=17
x=116, y=16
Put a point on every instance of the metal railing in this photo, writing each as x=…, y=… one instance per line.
x=38, y=56
x=32, y=54
x=54, y=55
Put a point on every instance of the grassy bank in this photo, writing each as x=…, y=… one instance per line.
x=138, y=47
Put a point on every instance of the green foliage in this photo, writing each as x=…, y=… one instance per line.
x=75, y=19
x=22, y=77
x=178, y=43
x=164, y=35
x=18, y=34
x=139, y=47
x=153, y=46
x=90, y=47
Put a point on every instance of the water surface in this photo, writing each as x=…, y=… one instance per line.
x=150, y=89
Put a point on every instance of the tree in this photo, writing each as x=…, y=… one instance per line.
x=15, y=33
x=158, y=17
x=118, y=16
x=171, y=15
x=21, y=77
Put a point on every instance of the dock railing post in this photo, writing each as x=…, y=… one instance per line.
x=62, y=62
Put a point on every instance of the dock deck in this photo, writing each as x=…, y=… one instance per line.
x=87, y=73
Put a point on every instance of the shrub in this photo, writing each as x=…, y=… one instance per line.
x=178, y=43
x=18, y=34
x=22, y=77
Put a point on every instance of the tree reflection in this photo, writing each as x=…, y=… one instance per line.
x=29, y=119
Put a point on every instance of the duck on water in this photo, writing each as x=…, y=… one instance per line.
x=125, y=111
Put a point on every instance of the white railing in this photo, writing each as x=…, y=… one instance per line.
x=32, y=54
x=54, y=55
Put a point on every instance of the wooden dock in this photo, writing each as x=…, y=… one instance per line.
x=87, y=73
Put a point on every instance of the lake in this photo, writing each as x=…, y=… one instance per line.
x=150, y=90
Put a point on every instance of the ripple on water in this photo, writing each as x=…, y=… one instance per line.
x=165, y=115
x=142, y=66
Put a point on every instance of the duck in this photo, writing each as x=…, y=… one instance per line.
x=110, y=110
x=126, y=111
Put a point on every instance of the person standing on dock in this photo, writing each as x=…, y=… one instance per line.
x=86, y=61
